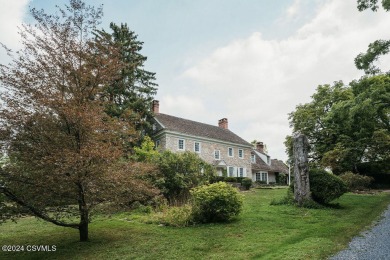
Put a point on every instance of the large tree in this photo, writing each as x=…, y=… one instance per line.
x=347, y=124
x=365, y=61
x=64, y=153
x=131, y=94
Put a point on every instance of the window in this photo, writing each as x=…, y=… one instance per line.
x=253, y=158
x=262, y=176
x=197, y=147
x=240, y=153
x=217, y=155
x=157, y=143
x=231, y=171
x=241, y=172
x=181, y=144
x=230, y=152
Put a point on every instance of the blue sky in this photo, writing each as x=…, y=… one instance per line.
x=251, y=61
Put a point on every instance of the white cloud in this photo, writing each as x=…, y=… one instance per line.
x=294, y=9
x=257, y=82
x=11, y=16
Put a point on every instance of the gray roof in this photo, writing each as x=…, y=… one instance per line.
x=279, y=166
x=260, y=165
x=189, y=127
x=276, y=165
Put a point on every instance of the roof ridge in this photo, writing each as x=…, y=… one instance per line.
x=195, y=121
x=198, y=128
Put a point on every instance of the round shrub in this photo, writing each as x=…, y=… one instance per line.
x=356, y=181
x=325, y=186
x=217, y=202
x=246, y=183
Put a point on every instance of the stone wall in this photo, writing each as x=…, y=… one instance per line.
x=207, y=149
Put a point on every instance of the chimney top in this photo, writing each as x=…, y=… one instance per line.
x=223, y=123
x=156, y=106
x=260, y=147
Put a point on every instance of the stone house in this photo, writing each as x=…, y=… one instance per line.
x=217, y=145
x=231, y=155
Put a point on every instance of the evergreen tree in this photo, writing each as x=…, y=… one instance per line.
x=131, y=94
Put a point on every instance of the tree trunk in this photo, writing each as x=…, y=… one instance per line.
x=84, y=215
x=83, y=230
x=301, y=169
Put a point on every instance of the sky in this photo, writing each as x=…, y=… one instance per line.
x=251, y=61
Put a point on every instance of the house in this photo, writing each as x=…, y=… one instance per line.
x=217, y=145
x=264, y=168
x=231, y=155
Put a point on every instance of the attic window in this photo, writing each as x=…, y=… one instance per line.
x=240, y=153
x=253, y=158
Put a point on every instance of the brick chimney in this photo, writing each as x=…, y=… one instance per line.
x=155, y=106
x=260, y=147
x=223, y=123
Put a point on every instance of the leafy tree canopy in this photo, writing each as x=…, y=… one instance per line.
x=365, y=61
x=64, y=151
x=179, y=172
x=131, y=93
x=346, y=124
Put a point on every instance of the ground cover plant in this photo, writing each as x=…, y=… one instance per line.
x=261, y=231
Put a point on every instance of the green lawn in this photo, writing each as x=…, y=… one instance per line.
x=261, y=232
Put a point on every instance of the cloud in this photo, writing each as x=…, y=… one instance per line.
x=11, y=16
x=294, y=9
x=256, y=82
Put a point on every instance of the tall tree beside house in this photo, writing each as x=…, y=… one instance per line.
x=365, y=61
x=131, y=94
x=64, y=152
x=347, y=124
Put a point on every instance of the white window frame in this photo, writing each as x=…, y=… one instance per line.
x=241, y=172
x=230, y=149
x=184, y=145
x=260, y=176
x=253, y=158
x=231, y=171
x=199, y=147
x=242, y=153
x=264, y=174
x=217, y=152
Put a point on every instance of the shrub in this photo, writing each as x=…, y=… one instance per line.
x=217, y=202
x=356, y=181
x=217, y=179
x=325, y=186
x=230, y=179
x=173, y=216
x=246, y=183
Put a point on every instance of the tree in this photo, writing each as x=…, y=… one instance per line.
x=178, y=172
x=130, y=94
x=64, y=152
x=346, y=125
x=312, y=119
x=364, y=61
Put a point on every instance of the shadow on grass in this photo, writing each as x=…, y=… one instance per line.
x=67, y=244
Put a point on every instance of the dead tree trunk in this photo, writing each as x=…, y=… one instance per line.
x=301, y=169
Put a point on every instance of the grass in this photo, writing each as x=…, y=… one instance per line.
x=261, y=232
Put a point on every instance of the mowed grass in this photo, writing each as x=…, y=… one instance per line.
x=261, y=232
